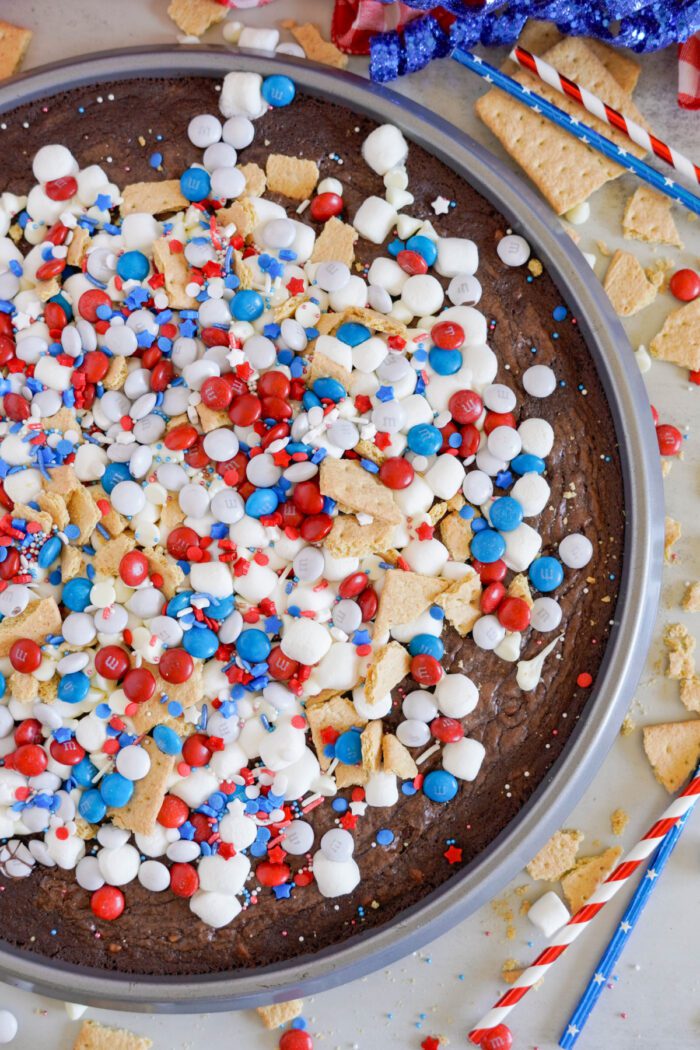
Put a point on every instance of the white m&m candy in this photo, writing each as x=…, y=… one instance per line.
x=513, y=250
x=575, y=550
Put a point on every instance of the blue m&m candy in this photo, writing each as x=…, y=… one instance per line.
x=278, y=90
x=247, y=305
x=253, y=646
x=440, y=786
x=73, y=687
x=167, y=740
x=428, y=644
x=84, y=772
x=3, y=685
x=115, y=790
x=487, y=546
x=76, y=594
x=546, y=574
x=424, y=439
x=506, y=514
x=526, y=463
x=92, y=807
x=49, y=552
x=348, y=748
x=195, y=184
x=352, y=333
x=329, y=389
x=200, y=642
x=445, y=362
x=132, y=266
x=114, y=473
x=261, y=503
x=424, y=246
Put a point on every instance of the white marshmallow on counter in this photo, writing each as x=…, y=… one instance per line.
x=549, y=913
x=384, y=148
x=259, y=38
x=374, y=219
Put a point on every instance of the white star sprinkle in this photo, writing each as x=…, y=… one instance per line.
x=440, y=205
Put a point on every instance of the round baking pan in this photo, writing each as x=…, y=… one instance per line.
x=639, y=591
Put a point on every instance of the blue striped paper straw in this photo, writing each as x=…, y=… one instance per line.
x=607, y=961
x=587, y=135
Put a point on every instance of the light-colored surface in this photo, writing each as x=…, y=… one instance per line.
x=443, y=989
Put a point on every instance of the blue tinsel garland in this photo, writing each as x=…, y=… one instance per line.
x=642, y=25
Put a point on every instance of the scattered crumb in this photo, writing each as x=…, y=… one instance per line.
x=618, y=821
x=672, y=534
x=691, y=598
x=628, y=726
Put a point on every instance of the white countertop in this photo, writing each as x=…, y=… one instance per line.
x=443, y=989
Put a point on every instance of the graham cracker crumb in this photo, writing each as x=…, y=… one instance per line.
x=691, y=598
x=14, y=41
x=556, y=857
x=627, y=286
x=681, y=651
x=194, y=17
x=280, y=1013
x=94, y=1036
x=618, y=821
x=672, y=534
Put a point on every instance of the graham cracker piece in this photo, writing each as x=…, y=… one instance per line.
x=404, y=596
x=347, y=482
x=564, y=169
x=510, y=971
x=289, y=308
x=55, y=507
x=38, y=620
x=679, y=339
x=681, y=651
x=14, y=41
x=62, y=420
x=371, y=741
x=77, y=247
x=673, y=749
x=456, y=534
x=48, y=691
x=349, y=539
x=586, y=877
x=627, y=286
x=293, y=177
x=372, y=320
x=211, y=419
x=116, y=374
x=322, y=366
x=154, y=713
x=62, y=480
x=556, y=856
x=71, y=563
x=110, y=554
x=349, y=776
x=84, y=513
x=672, y=534
x=95, y=1036
x=23, y=687
x=280, y=1013
x=461, y=603
x=194, y=17
x=315, y=47
x=619, y=819
x=336, y=243
x=648, y=218
x=176, y=271
x=154, y=198
x=171, y=515
x=114, y=522
x=140, y=812
x=241, y=213
x=24, y=512
x=690, y=693
x=368, y=450
x=390, y=664
x=242, y=272
x=167, y=568
x=397, y=758
x=520, y=588
x=538, y=37
x=337, y=714
x=255, y=181
x=691, y=598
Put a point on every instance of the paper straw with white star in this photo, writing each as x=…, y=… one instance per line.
x=583, y=132
x=549, y=75
x=578, y=922
x=606, y=964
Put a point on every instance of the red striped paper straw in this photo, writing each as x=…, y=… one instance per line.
x=578, y=922
x=549, y=75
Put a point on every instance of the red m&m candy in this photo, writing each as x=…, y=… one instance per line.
x=316, y=528
x=426, y=670
x=107, y=903
x=269, y=874
x=514, y=614
x=280, y=667
x=184, y=880
x=30, y=760
x=16, y=407
x=447, y=335
x=396, y=473
x=67, y=752
x=465, y=406
x=173, y=812
x=369, y=603
x=112, y=662
x=25, y=655
x=412, y=262
x=133, y=568
x=685, y=285
x=216, y=393
x=492, y=596
x=353, y=585
x=296, y=1039
x=181, y=541
x=325, y=206
x=245, y=410
x=498, y=1038
x=446, y=730
x=176, y=666
x=670, y=439
x=61, y=189
x=139, y=685
x=195, y=750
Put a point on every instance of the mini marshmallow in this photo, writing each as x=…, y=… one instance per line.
x=241, y=96
x=456, y=255
x=119, y=866
x=537, y=437
x=549, y=913
x=388, y=275
x=214, y=909
x=522, y=547
x=532, y=493
x=381, y=790
x=334, y=879
x=456, y=695
x=374, y=219
x=426, y=557
x=305, y=641
x=422, y=294
x=226, y=876
x=211, y=578
x=384, y=148
x=463, y=758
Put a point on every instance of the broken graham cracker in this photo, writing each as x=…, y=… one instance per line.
x=255, y=181
x=336, y=243
x=38, y=621
x=456, y=534
x=371, y=744
x=565, y=170
x=681, y=651
x=690, y=693
x=672, y=534
x=691, y=598
x=338, y=715
x=404, y=596
x=627, y=286
x=14, y=41
x=349, y=539
x=347, y=482
x=95, y=1036
x=390, y=664
x=153, y=712
x=648, y=218
x=23, y=687
x=194, y=17
x=556, y=857
x=153, y=198
x=673, y=749
x=397, y=758
x=315, y=47
x=619, y=819
x=140, y=812
x=174, y=268
x=461, y=602
x=679, y=339
x=291, y=176
x=585, y=878
x=280, y=1013
x=108, y=557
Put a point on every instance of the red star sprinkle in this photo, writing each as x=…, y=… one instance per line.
x=295, y=286
x=453, y=855
x=362, y=404
x=276, y=855
x=348, y=821
x=425, y=531
x=382, y=440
